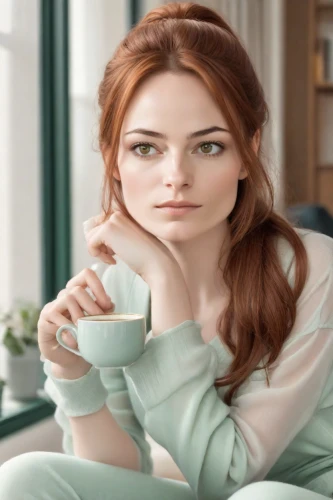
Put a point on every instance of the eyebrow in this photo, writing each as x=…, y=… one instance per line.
x=199, y=133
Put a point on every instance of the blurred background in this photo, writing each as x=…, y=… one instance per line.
x=52, y=57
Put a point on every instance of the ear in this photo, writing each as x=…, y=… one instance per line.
x=116, y=173
x=242, y=174
x=255, y=146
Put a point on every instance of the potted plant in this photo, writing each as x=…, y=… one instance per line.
x=20, y=351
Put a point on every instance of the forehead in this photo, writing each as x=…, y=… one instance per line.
x=170, y=98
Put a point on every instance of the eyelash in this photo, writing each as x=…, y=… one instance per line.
x=132, y=148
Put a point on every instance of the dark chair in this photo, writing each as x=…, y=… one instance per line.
x=314, y=216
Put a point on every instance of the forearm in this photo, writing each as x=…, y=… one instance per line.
x=170, y=303
x=98, y=436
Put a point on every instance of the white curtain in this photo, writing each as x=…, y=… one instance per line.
x=20, y=210
x=96, y=28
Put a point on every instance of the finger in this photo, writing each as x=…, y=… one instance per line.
x=50, y=326
x=57, y=318
x=67, y=315
x=66, y=305
x=106, y=250
x=89, y=224
x=106, y=258
x=47, y=327
x=73, y=307
x=50, y=329
x=88, y=277
x=91, y=231
x=81, y=301
x=96, y=243
x=102, y=252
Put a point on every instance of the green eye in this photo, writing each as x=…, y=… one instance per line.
x=145, y=148
x=210, y=145
x=205, y=146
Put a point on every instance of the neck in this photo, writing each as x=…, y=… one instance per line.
x=198, y=260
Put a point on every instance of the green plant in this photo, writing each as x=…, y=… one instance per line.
x=19, y=327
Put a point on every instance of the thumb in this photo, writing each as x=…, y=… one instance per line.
x=69, y=339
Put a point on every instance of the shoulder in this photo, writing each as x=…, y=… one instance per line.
x=319, y=249
x=317, y=245
x=309, y=238
x=315, y=304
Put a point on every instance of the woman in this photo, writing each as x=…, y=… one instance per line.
x=236, y=378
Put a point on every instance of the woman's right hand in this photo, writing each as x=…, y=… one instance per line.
x=68, y=307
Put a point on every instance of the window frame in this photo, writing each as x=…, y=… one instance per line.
x=55, y=196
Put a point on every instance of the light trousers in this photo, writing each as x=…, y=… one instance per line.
x=40, y=475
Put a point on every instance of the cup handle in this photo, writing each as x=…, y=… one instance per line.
x=73, y=330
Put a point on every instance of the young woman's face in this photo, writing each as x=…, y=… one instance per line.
x=204, y=170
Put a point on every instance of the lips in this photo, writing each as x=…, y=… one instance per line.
x=177, y=210
x=178, y=206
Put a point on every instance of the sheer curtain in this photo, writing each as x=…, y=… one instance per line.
x=96, y=28
x=20, y=211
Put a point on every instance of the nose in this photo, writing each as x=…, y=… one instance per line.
x=178, y=174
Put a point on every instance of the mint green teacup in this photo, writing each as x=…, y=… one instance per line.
x=108, y=340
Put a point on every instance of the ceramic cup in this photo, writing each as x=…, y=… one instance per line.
x=108, y=340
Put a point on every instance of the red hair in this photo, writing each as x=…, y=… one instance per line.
x=191, y=38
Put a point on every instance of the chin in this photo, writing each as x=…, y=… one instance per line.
x=175, y=234
x=176, y=230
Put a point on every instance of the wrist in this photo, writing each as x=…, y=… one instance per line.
x=70, y=372
x=75, y=392
x=163, y=271
x=170, y=301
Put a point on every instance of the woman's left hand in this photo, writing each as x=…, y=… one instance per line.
x=140, y=250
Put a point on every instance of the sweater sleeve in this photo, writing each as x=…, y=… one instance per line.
x=221, y=448
x=118, y=284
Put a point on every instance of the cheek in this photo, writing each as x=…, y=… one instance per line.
x=135, y=191
x=130, y=189
x=223, y=188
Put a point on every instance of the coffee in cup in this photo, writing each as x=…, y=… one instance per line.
x=110, y=340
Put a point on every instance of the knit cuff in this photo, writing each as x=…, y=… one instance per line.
x=81, y=396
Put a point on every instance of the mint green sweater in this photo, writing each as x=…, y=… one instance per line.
x=283, y=432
